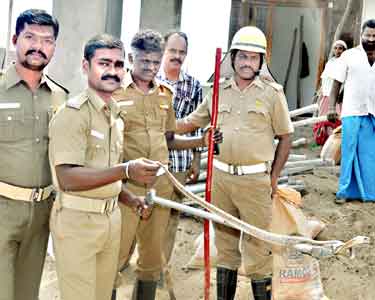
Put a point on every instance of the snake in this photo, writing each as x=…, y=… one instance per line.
x=305, y=245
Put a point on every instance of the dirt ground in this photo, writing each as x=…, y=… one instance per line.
x=343, y=278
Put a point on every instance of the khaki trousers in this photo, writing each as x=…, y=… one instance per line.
x=173, y=219
x=247, y=197
x=23, y=244
x=86, y=247
x=149, y=235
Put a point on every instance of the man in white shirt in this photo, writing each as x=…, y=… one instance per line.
x=338, y=48
x=356, y=69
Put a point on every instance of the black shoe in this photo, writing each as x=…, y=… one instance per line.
x=114, y=294
x=144, y=290
x=226, y=283
x=161, y=281
x=262, y=288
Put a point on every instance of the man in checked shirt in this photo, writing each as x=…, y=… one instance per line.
x=184, y=164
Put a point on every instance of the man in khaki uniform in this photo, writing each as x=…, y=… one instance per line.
x=149, y=118
x=252, y=112
x=85, y=152
x=28, y=98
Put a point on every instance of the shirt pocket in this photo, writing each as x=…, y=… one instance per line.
x=12, y=124
x=128, y=114
x=97, y=149
x=161, y=113
x=117, y=142
x=224, y=111
x=257, y=119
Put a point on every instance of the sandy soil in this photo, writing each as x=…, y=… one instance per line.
x=343, y=279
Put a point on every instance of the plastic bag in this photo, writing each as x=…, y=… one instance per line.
x=332, y=148
x=197, y=260
x=295, y=276
x=323, y=130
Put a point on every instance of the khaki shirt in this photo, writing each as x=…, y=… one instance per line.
x=249, y=120
x=146, y=119
x=24, y=118
x=87, y=132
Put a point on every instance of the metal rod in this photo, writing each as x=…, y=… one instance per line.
x=188, y=209
x=303, y=110
x=296, y=157
x=299, y=142
x=196, y=188
x=309, y=121
x=214, y=113
x=297, y=170
x=310, y=162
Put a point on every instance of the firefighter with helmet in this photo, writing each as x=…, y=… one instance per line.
x=252, y=113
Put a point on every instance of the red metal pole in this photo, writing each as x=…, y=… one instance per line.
x=215, y=101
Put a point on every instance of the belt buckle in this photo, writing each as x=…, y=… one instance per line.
x=232, y=169
x=238, y=170
x=36, y=194
x=104, y=208
x=235, y=170
x=109, y=206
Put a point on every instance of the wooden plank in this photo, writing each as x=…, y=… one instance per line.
x=269, y=33
x=323, y=36
x=291, y=3
x=299, y=79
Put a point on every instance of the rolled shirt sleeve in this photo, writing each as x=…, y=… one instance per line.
x=201, y=116
x=171, y=119
x=68, y=138
x=281, y=122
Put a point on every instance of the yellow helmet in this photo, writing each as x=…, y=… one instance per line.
x=249, y=38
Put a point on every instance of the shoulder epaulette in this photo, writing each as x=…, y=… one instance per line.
x=166, y=87
x=276, y=86
x=58, y=84
x=224, y=83
x=76, y=102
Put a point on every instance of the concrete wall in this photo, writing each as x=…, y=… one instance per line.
x=368, y=10
x=281, y=48
x=161, y=15
x=205, y=33
x=79, y=21
x=130, y=22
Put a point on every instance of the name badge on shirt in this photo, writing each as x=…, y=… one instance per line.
x=258, y=103
x=8, y=105
x=164, y=106
x=126, y=103
x=97, y=134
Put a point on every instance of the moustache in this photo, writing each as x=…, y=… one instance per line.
x=32, y=51
x=247, y=67
x=176, y=60
x=369, y=46
x=114, y=77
